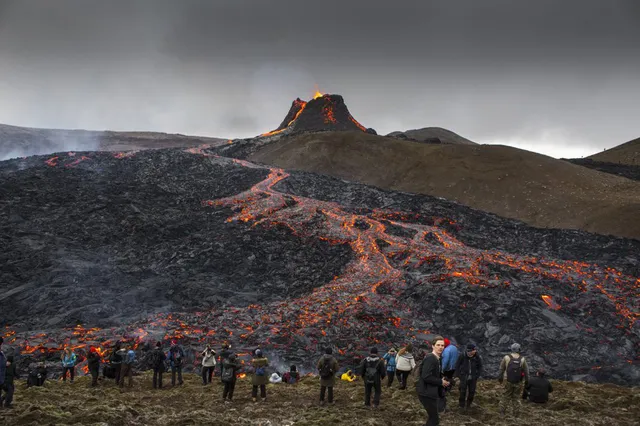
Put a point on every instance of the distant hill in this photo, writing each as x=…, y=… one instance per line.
x=627, y=153
x=430, y=134
x=539, y=190
x=24, y=141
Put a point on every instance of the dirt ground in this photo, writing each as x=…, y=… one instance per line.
x=539, y=190
x=60, y=403
x=627, y=153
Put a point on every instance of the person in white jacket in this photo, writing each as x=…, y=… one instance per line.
x=208, y=364
x=404, y=364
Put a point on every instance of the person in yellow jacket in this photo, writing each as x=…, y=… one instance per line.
x=348, y=376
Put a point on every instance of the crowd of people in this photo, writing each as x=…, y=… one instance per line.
x=435, y=375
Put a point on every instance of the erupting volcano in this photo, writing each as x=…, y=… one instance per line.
x=322, y=113
x=196, y=247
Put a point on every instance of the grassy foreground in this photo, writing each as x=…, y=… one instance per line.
x=60, y=403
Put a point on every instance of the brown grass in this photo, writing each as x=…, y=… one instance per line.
x=627, y=153
x=510, y=182
x=193, y=404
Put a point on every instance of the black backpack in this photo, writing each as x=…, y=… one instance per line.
x=326, y=369
x=371, y=372
x=514, y=369
x=227, y=373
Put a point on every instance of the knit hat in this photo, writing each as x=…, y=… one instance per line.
x=258, y=353
x=392, y=350
x=447, y=342
x=515, y=348
x=373, y=351
x=471, y=347
x=158, y=344
x=328, y=351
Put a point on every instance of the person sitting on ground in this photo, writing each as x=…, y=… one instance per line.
x=229, y=370
x=93, y=363
x=68, y=359
x=37, y=376
x=292, y=376
x=372, y=371
x=208, y=364
x=405, y=363
x=260, y=378
x=539, y=387
x=10, y=375
x=327, y=367
x=390, y=359
x=275, y=378
x=468, y=369
x=348, y=376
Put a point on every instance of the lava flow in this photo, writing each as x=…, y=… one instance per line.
x=370, y=302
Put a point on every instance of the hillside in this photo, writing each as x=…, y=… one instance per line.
x=24, y=141
x=429, y=133
x=192, y=403
x=510, y=182
x=627, y=153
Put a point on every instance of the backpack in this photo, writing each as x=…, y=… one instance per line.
x=371, y=372
x=260, y=371
x=227, y=374
x=326, y=369
x=514, y=369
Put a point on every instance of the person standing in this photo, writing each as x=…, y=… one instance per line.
x=390, y=359
x=208, y=364
x=260, y=378
x=115, y=361
x=3, y=369
x=468, y=369
x=229, y=370
x=157, y=362
x=93, y=363
x=372, y=371
x=539, y=388
x=430, y=384
x=10, y=375
x=224, y=354
x=405, y=363
x=128, y=359
x=176, y=356
x=68, y=359
x=327, y=368
x=514, y=368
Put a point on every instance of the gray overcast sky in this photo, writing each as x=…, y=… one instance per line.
x=558, y=77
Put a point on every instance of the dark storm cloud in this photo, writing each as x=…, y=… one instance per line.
x=545, y=75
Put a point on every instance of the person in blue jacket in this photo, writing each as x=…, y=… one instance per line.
x=390, y=359
x=449, y=359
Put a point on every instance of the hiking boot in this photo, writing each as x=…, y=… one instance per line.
x=264, y=399
x=254, y=399
x=322, y=403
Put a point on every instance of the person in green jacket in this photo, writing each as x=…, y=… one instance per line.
x=260, y=377
x=514, y=368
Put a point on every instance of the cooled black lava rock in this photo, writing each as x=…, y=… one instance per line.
x=625, y=170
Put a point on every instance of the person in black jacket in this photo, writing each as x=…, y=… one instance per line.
x=224, y=354
x=157, y=362
x=93, y=363
x=372, y=370
x=468, y=369
x=430, y=385
x=539, y=388
x=10, y=375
